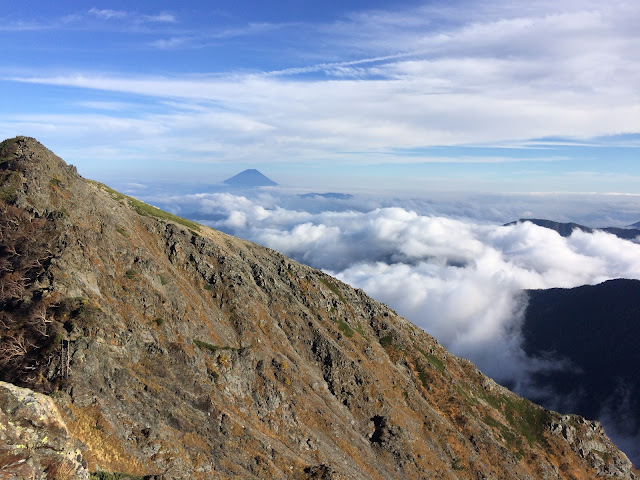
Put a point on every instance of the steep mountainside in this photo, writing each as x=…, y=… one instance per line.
x=174, y=350
x=596, y=329
x=566, y=229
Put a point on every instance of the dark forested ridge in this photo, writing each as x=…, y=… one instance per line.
x=597, y=329
x=566, y=229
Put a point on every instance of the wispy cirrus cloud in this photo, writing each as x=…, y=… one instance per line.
x=81, y=20
x=109, y=14
x=200, y=39
x=171, y=42
x=163, y=17
x=382, y=114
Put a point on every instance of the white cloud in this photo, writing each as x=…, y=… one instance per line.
x=163, y=17
x=98, y=105
x=170, y=43
x=108, y=14
x=502, y=74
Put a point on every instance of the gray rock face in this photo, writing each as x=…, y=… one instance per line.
x=178, y=351
x=586, y=440
x=34, y=440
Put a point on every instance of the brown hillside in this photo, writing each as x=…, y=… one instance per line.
x=175, y=350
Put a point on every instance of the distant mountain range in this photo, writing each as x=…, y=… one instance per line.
x=250, y=178
x=597, y=329
x=566, y=229
x=329, y=195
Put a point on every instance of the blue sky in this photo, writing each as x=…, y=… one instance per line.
x=495, y=96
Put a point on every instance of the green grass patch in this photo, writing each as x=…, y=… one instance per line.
x=163, y=281
x=100, y=475
x=387, y=340
x=456, y=465
x=423, y=378
x=525, y=418
x=493, y=422
x=208, y=286
x=433, y=360
x=56, y=182
x=147, y=210
x=334, y=289
x=131, y=274
x=606, y=456
x=159, y=321
x=122, y=232
x=345, y=328
x=9, y=183
x=510, y=438
x=361, y=331
x=528, y=419
x=464, y=394
x=211, y=347
x=150, y=211
x=113, y=193
x=436, y=362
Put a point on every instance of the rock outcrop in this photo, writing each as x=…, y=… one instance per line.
x=34, y=440
x=178, y=351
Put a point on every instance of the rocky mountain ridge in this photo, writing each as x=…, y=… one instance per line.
x=177, y=351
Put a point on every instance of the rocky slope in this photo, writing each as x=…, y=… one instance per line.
x=174, y=350
x=34, y=440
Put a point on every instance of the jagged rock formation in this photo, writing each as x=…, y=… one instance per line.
x=178, y=351
x=34, y=441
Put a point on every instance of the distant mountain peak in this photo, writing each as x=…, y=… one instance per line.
x=250, y=178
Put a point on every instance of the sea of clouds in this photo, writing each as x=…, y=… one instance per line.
x=450, y=266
